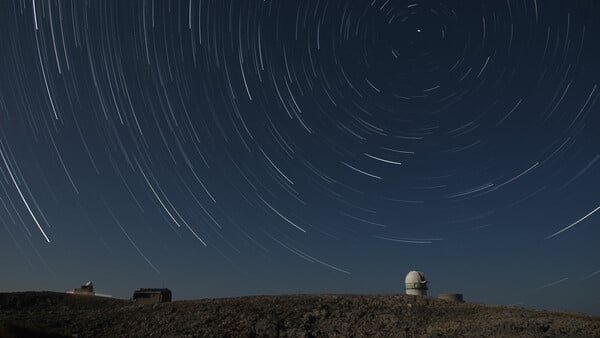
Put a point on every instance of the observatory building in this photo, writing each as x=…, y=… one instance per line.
x=87, y=289
x=416, y=284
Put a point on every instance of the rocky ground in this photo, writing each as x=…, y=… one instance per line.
x=48, y=314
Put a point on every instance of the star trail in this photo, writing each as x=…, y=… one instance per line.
x=268, y=146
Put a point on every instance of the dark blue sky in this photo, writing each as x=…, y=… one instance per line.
x=224, y=148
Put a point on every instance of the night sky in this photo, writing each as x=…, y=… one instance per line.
x=238, y=147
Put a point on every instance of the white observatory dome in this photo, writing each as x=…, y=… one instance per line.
x=416, y=284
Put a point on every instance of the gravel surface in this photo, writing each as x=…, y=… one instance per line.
x=35, y=314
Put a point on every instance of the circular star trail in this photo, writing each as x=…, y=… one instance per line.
x=317, y=136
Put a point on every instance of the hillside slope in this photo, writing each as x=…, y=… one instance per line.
x=287, y=315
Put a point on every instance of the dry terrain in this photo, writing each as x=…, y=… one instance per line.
x=49, y=314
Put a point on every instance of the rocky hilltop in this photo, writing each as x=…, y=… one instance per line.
x=36, y=314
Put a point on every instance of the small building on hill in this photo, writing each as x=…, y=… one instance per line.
x=85, y=289
x=150, y=295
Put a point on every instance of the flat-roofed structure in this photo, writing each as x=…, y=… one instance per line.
x=152, y=295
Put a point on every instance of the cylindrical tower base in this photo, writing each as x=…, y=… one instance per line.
x=416, y=292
